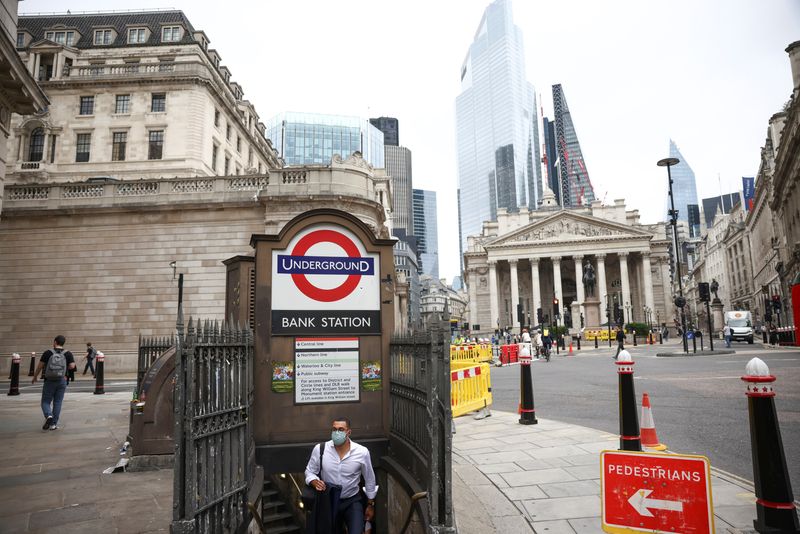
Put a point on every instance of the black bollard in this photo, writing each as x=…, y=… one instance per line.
x=775, y=509
x=579, y=342
x=660, y=338
x=629, y=438
x=701, y=341
x=595, y=341
x=694, y=343
x=634, y=338
x=33, y=364
x=99, y=387
x=13, y=388
x=527, y=413
x=764, y=335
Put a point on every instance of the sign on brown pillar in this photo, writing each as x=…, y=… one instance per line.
x=323, y=319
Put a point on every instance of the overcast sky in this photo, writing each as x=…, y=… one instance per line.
x=706, y=73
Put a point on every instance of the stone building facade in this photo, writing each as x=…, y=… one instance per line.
x=132, y=96
x=532, y=257
x=86, y=247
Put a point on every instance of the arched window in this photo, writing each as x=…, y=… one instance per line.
x=36, y=147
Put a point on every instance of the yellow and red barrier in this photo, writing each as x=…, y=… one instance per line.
x=470, y=387
x=472, y=353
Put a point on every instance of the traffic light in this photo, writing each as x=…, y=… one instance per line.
x=556, y=311
x=520, y=314
x=704, y=291
x=776, y=303
x=617, y=312
x=539, y=316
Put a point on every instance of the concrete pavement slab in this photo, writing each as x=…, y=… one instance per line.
x=557, y=489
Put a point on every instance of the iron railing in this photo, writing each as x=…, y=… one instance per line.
x=214, y=453
x=150, y=348
x=421, y=438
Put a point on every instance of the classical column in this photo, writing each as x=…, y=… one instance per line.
x=557, y=277
x=579, y=280
x=473, y=298
x=601, y=282
x=514, y=294
x=647, y=280
x=535, y=289
x=494, y=319
x=626, y=288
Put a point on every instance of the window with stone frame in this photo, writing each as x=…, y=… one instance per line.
x=36, y=145
x=122, y=104
x=86, y=105
x=238, y=143
x=103, y=37
x=119, y=145
x=171, y=34
x=227, y=165
x=21, y=40
x=155, y=149
x=137, y=35
x=216, y=118
x=61, y=37
x=158, y=102
x=83, y=145
x=214, y=152
x=228, y=132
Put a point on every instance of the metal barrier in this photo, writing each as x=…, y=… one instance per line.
x=150, y=348
x=470, y=387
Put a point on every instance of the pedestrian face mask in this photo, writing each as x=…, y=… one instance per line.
x=339, y=435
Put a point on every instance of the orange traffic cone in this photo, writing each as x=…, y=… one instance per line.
x=648, y=427
x=570, y=347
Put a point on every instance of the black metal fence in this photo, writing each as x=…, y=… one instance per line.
x=150, y=348
x=214, y=453
x=421, y=435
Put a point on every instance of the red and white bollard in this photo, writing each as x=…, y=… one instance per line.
x=33, y=364
x=13, y=388
x=527, y=412
x=629, y=438
x=99, y=388
x=775, y=509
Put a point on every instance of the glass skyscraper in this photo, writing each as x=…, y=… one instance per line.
x=684, y=187
x=426, y=231
x=496, y=125
x=573, y=178
x=313, y=139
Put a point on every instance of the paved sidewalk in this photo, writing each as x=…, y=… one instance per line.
x=545, y=478
x=52, y=481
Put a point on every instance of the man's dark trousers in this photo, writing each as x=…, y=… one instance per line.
x=89, y=365
x=350, y=513
x=53, y=394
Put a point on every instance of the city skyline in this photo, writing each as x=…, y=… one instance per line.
x=630, y=81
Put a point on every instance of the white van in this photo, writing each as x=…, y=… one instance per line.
x=741, y=323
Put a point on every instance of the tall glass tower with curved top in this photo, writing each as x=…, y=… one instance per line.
x=496, y=125
x=684, y=186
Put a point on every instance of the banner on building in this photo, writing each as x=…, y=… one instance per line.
x=749, y=191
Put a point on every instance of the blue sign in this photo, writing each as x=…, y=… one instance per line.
x=749, y=191
x=325, y=265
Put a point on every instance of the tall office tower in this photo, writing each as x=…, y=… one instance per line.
x=576, y=188
x=390, y=128
x=313, y=139
x=496, y=125
x=426, y=231
x=398, y=166
x=550, y=158
x=722, y=204
x=684, y=188
x=694, y=220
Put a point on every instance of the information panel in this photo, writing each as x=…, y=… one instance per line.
x=326, y=370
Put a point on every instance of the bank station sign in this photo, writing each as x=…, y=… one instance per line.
x=325, y=282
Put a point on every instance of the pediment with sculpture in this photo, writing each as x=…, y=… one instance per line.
x=565, y=227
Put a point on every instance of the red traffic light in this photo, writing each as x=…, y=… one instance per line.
x=555, y=302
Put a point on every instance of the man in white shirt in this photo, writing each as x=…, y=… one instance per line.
x=344, y=462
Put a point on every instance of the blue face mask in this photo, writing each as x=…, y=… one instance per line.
x=338, y=437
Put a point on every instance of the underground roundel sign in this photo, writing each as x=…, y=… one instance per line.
x=325, y=282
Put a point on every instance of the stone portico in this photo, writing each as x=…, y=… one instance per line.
x=530, y=258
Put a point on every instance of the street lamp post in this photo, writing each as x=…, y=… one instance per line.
x=669, y=162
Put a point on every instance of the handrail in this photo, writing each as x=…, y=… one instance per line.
x=414, y=499
x=257, y=517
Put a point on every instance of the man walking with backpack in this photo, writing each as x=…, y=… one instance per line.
x=91, y=352
x=53, y=367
